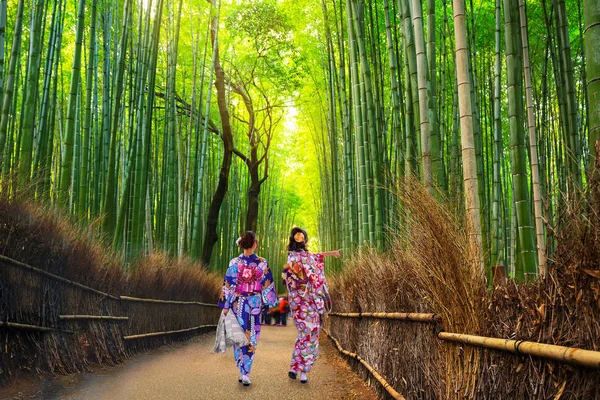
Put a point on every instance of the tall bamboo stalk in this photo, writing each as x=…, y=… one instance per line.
x=535, y=174
x=31, y=89
x=526, y=265
x=422, y=76
x=497, y=258
x=82, y=203
x=10, y=80
x=466, y=129
x=591, y=9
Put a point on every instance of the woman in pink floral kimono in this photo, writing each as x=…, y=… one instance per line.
x=308, y=296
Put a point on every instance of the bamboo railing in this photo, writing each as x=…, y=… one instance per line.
x=416, y=317
x=153, y=334
x=388, y=388
x=92, y=317
x=57, y=278
x=136, y=299
x=26, y=327
x=43, y=329
x=570, y=355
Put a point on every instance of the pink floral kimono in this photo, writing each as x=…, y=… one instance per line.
x=305, y=279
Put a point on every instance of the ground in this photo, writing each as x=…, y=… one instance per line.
x=192, y=371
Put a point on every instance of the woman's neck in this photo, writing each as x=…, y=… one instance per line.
x=248, y=252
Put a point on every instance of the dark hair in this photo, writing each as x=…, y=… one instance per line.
x=297, y=246
x=247, y=240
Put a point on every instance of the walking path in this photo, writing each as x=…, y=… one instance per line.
x=193, y=371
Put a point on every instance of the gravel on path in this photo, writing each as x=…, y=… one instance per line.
x=193, y=371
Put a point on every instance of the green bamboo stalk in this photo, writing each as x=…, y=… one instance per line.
x=413, y=115
x=109, y=208
x=31, y=89
x=573, y=148
x=527, y=252
x=376, y=226
x=2, y=38
x=467, y=141
x=422, y=69
x=496, y=245
x=394, y=87
x=200, y=177
x=591, y=11
x=42, y=143
x=535, y=174
x=83, y=204
x=363, y=226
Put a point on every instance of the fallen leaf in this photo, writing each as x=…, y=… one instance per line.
x=591, y=272
x=520, y=367
x=542, y=310
x=579, y=296
x=560, y=391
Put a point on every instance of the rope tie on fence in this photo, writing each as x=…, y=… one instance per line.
x=516, y=345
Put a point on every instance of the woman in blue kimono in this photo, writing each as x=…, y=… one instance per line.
x=247, y=289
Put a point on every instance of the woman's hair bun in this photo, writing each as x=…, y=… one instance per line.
x=247, y=240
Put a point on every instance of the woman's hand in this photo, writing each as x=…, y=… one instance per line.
x=335, y=253
x=225, y=311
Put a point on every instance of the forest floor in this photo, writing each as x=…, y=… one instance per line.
x=192, y=371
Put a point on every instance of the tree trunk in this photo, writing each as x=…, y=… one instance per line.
x=212, y=236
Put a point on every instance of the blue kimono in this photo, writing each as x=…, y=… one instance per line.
x=248, y=286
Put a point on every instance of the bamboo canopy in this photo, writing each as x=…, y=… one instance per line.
x=572, y=355
x=391, y=391
x=416, y=317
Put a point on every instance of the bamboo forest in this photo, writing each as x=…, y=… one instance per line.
x=449, y=148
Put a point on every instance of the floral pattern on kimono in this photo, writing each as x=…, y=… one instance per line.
x=247, y=273
x=305, y=279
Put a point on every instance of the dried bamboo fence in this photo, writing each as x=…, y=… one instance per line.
x=52, y=324
x=569, y=355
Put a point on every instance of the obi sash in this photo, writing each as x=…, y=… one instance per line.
x=248, y=287
x=248, y=278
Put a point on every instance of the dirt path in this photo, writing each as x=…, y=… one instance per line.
x=193, y=371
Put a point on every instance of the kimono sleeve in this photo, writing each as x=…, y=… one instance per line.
x=228, y=292
x=269, y=297
x=315, y=271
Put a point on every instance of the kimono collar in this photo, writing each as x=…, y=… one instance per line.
x=250, y=258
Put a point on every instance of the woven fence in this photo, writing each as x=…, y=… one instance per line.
x=51, y=324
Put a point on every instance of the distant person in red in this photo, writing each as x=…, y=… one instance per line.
x=284, y=308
